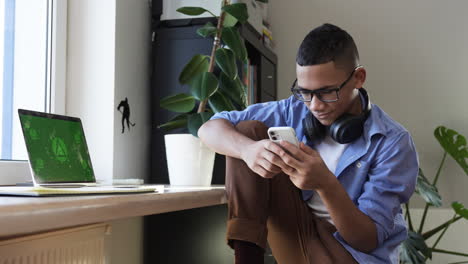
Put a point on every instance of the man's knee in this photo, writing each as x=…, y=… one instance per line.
x=253, y=129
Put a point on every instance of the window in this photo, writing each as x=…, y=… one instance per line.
x=32, y=66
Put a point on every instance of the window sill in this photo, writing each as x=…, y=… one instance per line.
x=26, y=215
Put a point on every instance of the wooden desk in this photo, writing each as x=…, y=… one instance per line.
x=25, y=215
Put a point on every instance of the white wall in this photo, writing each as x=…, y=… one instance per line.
x=108, y=58
x=109, y=44
x=416, y=56
x=132, y=80
x=91, y=77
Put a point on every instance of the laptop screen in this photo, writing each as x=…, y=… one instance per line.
x=56, y=147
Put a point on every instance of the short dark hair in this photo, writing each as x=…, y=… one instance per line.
x=328, y=43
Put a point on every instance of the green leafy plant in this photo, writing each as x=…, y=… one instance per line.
x=415, y=250
x=213, y=92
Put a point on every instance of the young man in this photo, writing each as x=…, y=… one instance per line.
x=337, y=197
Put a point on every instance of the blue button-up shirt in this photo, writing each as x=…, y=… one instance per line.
x=378, y=170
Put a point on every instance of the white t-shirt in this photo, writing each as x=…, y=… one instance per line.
x=330, y=151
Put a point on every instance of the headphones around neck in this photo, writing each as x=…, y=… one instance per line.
x=345, y=129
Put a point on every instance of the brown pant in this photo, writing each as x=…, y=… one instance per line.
x=272, y=209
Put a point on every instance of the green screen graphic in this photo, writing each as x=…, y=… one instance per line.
x=57, y=149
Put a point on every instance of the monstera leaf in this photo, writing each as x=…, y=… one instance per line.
x=414, y=249
x=454, y=144
x=427, y=191
x=460, y=209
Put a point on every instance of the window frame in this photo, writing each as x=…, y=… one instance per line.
x=14, y=171
x=58, y=67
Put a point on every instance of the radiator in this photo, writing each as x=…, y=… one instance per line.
x=80, y=245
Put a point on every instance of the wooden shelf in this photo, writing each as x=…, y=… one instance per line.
x=26, y=215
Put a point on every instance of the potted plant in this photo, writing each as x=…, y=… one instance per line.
x=414, y=249
x=215, y=86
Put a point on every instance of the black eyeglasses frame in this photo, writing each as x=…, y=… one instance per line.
x=319, y=91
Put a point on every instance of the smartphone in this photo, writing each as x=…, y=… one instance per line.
x=277, y=134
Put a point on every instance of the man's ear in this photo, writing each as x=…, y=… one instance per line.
x=360, y=76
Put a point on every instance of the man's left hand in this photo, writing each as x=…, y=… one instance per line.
x=304, y=166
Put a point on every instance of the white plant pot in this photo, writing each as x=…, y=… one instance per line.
x=189, y=161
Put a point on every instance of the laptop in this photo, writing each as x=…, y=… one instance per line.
x=59, y=158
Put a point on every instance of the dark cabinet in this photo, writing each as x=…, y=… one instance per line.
x=267, y=80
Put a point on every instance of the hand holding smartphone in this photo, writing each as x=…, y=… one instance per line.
x=277, y=134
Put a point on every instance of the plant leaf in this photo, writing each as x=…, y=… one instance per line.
x=414, y=249
x=196, y=65
x=195, y=121
x=181, y=103
x=218, y=103
x=226, y=61
x=232, y=38
x=454, y=144
x=237, y=10
x=233, y=89
x=191, y=10
x=229, y=20
x=207, y=30
x=179, y=121
x=427, y=191
x=460, y=209
x=204, y=86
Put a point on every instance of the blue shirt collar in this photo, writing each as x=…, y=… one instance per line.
x=358, y=148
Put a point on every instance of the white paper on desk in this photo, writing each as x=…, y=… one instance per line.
x=193, y=188
x=43, y=191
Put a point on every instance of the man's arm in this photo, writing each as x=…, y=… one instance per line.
x=354, y=226
x=308, y=172
x=221, y=136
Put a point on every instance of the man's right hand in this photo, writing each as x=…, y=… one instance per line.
x=261, y=158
